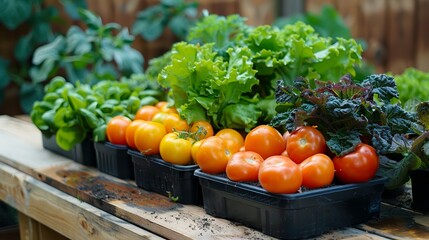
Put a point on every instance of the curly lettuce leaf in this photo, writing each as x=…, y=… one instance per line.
x=203, y=84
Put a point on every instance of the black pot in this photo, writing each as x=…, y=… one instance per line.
x=419, y=187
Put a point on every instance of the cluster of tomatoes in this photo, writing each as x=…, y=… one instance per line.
x=281, y=163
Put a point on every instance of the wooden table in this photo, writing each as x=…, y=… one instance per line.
x=56, y=199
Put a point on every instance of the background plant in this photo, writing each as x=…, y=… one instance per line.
x=90, y=55
x=37, y=19
x=176, y=15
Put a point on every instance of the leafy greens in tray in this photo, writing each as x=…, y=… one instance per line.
x=226, y=72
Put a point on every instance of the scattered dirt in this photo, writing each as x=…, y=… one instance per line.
x=106, y=190
x=401, y=197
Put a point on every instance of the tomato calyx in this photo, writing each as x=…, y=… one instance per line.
x=199, y=134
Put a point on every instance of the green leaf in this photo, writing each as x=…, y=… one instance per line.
x=65, y=118
x=150, y=23
x=382, y=85
x=77, y=41
x=397, y=172
x=76, y=101
x=180, y=25
x=40, y=74
x=14, y=13
x=21, y=51
x=90, y=19
x=224, y=32
x=89, y=118
x=4, y=74
x=422, y=113
x=99, y=133
x=342, y=142
x=29, y=93
x=72, y=7
x=50, y=51
x=68, y=137
x=128, y=60
x=56, y=83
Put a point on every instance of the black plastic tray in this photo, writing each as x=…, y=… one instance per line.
x=420, y=194
x=83, y=153
x=291, y=216
x=50, y=143
x=154, y=174
x=114, y=160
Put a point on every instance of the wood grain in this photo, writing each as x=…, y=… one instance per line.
x=400, y=39
x=61, y=212
x=422, y=35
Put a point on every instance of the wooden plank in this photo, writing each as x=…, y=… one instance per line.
x=32, y=230
x=399, y=223
x=422, y=35
x=28, y=229
x=119, y=198
x=61, y=212
x=400, y=37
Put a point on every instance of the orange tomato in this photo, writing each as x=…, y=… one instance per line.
x=116, y=128
x=317, y=171
x=130, y=132
x=148, y=136
x=304, y=142
x=234, y=139
x=279, y=174
x=244, y=166
x=203, y=129
x=195, y=146
x=265, y=140
x=213, y=155
x=163, y=107
x=160, y=117
x=173, y=122
x=146, y=113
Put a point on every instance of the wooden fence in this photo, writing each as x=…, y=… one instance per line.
x=125, y=12
x=396, y=31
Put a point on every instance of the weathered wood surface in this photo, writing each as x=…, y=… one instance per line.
x=80, y=202
x=61, y=212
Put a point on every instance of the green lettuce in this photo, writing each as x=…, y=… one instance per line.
x=205, y=86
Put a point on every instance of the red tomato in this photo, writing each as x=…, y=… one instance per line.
x=244, y=166
x=213, y=155
x=279, y=174
x=146, y=113
x=357, y=166
x=116, y=129
x=234, y=139
x=175, y=149
x=265, y=140
x=317, y=171
x=205, y=129
x=304, y=142
x=130, y=132
x=148, y=136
